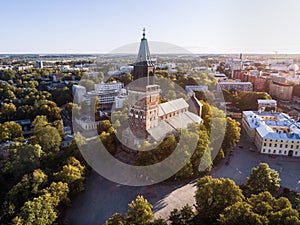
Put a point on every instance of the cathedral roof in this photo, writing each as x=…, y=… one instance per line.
x=144, y=57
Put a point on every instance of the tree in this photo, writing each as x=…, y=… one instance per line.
x=262, y=178
x=186, y=171
x=104, y=126
x=29, y=186
x=14, y=130
x=8, y=110
x=72, y=109
x=72, y=173
x=159, y=221
x=58, y=124
x=116, y=219
x=4, y=133
x=46, y=136
x=88, y=84
x=241, y=213
x=23, y=158
x=40, y=211
x=139, y=212
x=59, y=191
x=232, y=134
x=38, y=180
x=25, y=112
x=213, y=195
x=108, y=141
x=39, y=122
x=278, y=211
x=182, y=217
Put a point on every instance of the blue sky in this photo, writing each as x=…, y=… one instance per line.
x=98, y=26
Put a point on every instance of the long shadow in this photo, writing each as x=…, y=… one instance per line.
x=103, y=198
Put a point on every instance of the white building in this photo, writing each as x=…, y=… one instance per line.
x=78, y=92
x=263, y=104
x=236, y=86
x=273, y=132
x=235, y=64
x=220, y=77
x=87, y=123
x=103, y=87
x=190, y=89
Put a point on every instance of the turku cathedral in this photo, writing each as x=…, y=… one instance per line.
x=148, y=118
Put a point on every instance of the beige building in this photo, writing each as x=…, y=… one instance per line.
x=272, y=132
x=281, y=91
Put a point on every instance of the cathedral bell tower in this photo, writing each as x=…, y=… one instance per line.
x=143, y=66
x=143, y=94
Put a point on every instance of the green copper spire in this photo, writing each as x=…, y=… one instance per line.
x=144, y=53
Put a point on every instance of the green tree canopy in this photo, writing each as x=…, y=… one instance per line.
x=262, y=178
x=213, y=195
x=139, y=212
x=241, y=213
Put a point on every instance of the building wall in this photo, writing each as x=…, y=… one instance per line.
x=143, y=112
x=282, y=92
x=250, y=131
x=237, y=86
x=280, y=147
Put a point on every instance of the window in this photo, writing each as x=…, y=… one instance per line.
x=296, y=153
x=274, y=151
x=280, y=151
x=264, y=150
x=269, y=150
x=275, y=145
x=280, y=145
x=286, y=146
x=285, y=152
x=265, y=144
x=292, y=146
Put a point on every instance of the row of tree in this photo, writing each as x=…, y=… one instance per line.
x=221, y=201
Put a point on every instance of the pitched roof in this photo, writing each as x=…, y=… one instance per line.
x=172, y=106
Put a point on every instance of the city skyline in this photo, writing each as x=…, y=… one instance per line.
x=199, y=26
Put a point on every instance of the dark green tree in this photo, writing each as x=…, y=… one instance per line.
x=213, y=195
x=139, y=212
x=262, y=178
x=242, y=213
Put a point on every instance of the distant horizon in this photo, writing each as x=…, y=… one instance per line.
x=200, y=26
x=152, y=54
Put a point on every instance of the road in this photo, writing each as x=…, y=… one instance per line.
x=103, y=198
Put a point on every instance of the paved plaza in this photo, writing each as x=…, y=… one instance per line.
x=103, y=198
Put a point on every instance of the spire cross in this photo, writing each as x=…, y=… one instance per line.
x=144, y=30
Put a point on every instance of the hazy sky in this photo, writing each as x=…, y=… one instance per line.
x=98, y=26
